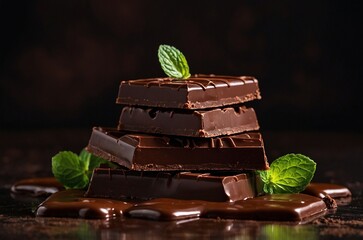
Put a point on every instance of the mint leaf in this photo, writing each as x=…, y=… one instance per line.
x=290, y=173
x=74, y=171
x=70, y=170
x=94, y=161
x=173, y=62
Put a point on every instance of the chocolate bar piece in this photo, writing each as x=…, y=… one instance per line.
x=199, y=123
x=161, y=153
x=215, y=186
x=197, y=92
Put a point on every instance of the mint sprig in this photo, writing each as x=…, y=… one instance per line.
x=290, y=173
x=173, y=62
x=74, y=171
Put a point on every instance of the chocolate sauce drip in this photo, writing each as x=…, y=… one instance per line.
x=37, y=187
x=219, y=142
x=200, y=80
x=231, y=141
x=328, y=192
x=284, y=207
x=211, y=83
x=72, y=204
x=211, y=143
x=198, y=83
x=159, y=82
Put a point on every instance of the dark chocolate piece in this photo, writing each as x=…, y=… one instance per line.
x=197, y=92
x=275, y=207
x=216, y=187
x=199, y=123
x=160, y=153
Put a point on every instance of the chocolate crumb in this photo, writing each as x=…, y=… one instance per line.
x=338, y=222
x=330, y=202
x=339, y=227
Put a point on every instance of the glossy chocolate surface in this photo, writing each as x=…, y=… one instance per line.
x=37, y=187
x=277, y=207
x=216, y=186
x=322, y=189
x=198, y=123
x=197, y=92
x=335, y=160
x=161, y=153
x=72, y=204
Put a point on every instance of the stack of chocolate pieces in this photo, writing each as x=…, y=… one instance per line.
x=186, y=149
x=184, y=139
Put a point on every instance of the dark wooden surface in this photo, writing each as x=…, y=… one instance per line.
x=27, y=154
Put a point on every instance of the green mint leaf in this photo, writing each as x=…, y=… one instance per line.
x=173, y=62
x=94, y=161
x=75, y=171
x=70, y=170
x=290, y=173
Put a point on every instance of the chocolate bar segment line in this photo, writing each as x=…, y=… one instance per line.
x=220, y=187
x=199, y=123
x=161, y=153
x=197, y=92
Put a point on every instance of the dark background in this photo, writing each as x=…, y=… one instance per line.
x=61, y=61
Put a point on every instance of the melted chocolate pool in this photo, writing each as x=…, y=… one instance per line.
x=37, y=187
x=277, y=207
